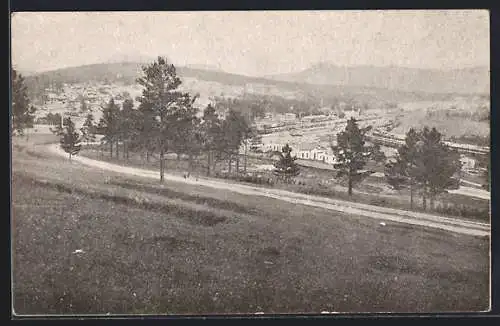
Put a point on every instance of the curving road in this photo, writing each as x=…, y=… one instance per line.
x=349, y=208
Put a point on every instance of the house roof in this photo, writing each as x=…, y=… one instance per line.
x=304, y=146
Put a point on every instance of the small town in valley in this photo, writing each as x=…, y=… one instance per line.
x=297, y=162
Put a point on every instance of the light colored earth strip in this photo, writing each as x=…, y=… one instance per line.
x=420, y=216
x=463, y=190
x=471, y=183
x=472, y=192
x=376, y=212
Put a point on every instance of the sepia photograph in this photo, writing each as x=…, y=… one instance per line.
x=250, y=162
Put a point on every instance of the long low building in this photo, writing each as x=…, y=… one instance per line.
x=397, y=140
x=304, y=151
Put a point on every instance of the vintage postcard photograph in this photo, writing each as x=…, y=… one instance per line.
x=250, y=162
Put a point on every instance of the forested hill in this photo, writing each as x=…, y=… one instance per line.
x=128, y=72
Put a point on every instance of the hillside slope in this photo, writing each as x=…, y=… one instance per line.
x=228, y=83
x=469, y=80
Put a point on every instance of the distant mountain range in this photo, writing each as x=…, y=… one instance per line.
x=376, y=86
x=136, y=57
x=204, y=67
x=468, y=80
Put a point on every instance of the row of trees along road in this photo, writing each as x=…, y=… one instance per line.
x=166, y=122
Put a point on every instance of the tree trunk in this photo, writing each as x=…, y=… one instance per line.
x=111, y=149
x=214, y=162
x=70, y=157
x=162, y=153
x=230, y=163
x=411, y=194
x=245, y=159
x=190, y=163
x=208, y=163
x=349, y=189
x=238, y=164
x=147, y=155
x=117, y=149
x=424, y=201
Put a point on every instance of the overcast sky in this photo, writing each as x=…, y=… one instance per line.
x=254, y=43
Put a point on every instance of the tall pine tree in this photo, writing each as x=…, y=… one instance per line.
x=164, y=104
x=212, y=136
x=286, y=168
x=426, y=164
x=88, y=129
x=352, y=153
x=437, y=165
x=70, y=140
x=403, y=172
x=129, y=127
x=23, y=113
x=235, y=130
x=109, y=124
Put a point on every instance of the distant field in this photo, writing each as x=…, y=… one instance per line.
x=449, y=126
x=184, y=249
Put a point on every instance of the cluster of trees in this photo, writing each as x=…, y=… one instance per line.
x=248, y=105
x=23, y=113
x=37, y=84
x=256, y=105
x=166, y=121
x=425, y=165
x=50, y=119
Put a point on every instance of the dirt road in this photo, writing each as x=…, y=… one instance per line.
x=382, y=213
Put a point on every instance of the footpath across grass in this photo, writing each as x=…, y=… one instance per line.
x=86, y=241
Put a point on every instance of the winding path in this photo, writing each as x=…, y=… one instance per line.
x=349, y=208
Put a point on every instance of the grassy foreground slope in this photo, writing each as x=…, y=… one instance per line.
x=183, y=249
